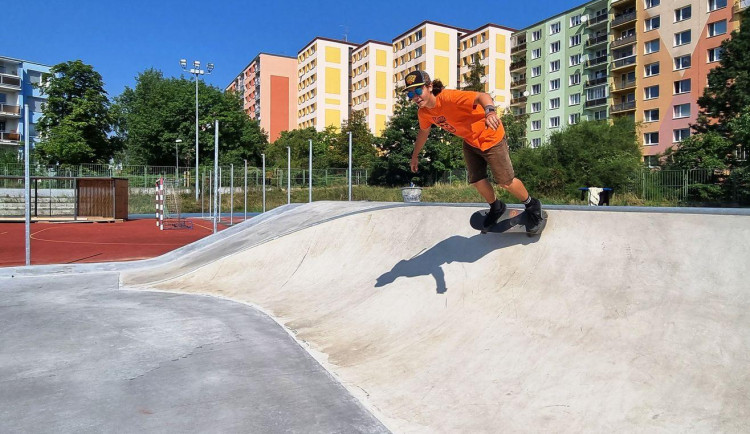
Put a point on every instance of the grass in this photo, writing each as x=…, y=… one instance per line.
x=445, y=193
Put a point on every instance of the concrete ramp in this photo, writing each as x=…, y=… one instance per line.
x=609, y=321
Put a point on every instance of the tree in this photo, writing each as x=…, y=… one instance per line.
x=150, y=117
x=299, y=143
x=728, y=91
x=515, y=129
x=75, y=119
x=364, y=151
x=442, y=152
x=476, y=74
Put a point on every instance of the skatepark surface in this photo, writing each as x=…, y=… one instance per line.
x=613, y=319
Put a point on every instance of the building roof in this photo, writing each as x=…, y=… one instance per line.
x=12, y=59
x=351, y=44
x=429, y=22
x=581, y=6
x=479, y=29
x=372, y=41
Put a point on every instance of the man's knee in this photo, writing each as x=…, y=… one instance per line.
x=505, y=183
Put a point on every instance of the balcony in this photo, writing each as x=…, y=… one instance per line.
x=595, y=103
x=9, y=137
x=518, y=65
x=621, y=42
x=597, y=21
x=622, y=85
x=623, y=19
x=10, y=81
x=519, y=100
x=13, y=111
x=595, y=41
x=740, y=5
x=595, y=82
x=623, y=107
x=518, y=83
x=596, y=61
x=625, y=62
x=518, y=48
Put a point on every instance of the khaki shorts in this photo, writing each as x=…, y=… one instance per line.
x=498, y=159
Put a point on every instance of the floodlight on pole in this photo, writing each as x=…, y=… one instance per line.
x=197, y=72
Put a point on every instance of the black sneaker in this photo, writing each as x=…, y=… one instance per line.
x=535, y=218
x=494, y=215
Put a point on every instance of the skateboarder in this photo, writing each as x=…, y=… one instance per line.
x=473, y=117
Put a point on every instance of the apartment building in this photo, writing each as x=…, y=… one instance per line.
x=662, y=52
x=268, y=88
x=323, y=67
x=490, y=46
x=430, y=47
x=372, y=86
x=17, y=80
x=559, y=70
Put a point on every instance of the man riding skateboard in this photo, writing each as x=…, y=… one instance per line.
x=473, y=117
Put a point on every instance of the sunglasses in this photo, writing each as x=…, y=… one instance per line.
x=417, y=91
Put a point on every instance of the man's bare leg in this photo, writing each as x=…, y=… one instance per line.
x=516, y=188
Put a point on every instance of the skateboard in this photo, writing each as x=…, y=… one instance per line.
x=512, y=221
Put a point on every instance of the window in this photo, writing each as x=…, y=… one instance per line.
x=682, y=86
x=716, y=4
x=651, y=139
x=652, y=69
x=554, y=122
x=536, y=35
x=536, y=89
x=535, y=143
x=536, y=125
x=554, y=103
x=554, y=84
x=536, y=107
x=575, y=40
x=714, y=54
x=2, y=126
x=717, y=28
x=574, y=118
x=418, y=35
x=652, y=46
x=651, y=160
x=574, y=99
x=418, y=52
x=536, y=71
x=554, y=47
x=651, y=92
x=536, y=53
x=680, y=134
x=652, y=3
x=682, y=38
x=651, y=115
x=575, y=60
x=600, y=115
x=575, y=20
x=682, y=62
x=653, y=23
x=681, y=111
x=554, y=28
x=575, y=79
x=682, y=14
x=554, y=66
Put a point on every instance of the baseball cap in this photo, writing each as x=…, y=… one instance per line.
x=416, y=79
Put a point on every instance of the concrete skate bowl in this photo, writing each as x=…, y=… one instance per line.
x=627, y=321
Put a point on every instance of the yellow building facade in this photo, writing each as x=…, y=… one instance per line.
x=372, y=84
x=323, y=88
x=490, y=46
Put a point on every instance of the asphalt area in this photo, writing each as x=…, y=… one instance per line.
x=68, y=243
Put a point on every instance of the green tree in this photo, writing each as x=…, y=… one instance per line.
x=515, y=129
x=728, y=91
x=442, y=152
x=150, y=117
x=299, y=143
x=364, y=151
x=476, y=74
x=75, y=118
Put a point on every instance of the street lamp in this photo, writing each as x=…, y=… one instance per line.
x=196, y=71
x=177, y=159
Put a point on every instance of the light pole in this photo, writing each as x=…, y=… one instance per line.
x=196, y=71
x=177, y=160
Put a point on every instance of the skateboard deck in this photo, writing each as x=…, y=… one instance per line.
x=512, y=221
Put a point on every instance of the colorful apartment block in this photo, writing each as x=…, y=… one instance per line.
x=268, y=88
x=323, y=87
x=559, y=70
x=372, y=86
x=490, y=46
x=430, y=47
x=662, y=52
x=17, y=89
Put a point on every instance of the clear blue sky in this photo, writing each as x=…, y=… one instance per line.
x=122, y=38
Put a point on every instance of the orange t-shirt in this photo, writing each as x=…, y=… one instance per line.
x=456, y=113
